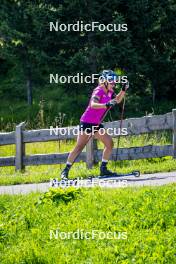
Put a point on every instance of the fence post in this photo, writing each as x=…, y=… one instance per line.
x=90, y=153
x=20, y=147
x=174, y=132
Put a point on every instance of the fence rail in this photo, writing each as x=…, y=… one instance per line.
x=134, y=126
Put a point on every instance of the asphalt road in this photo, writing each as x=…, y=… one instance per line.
x=154, y=179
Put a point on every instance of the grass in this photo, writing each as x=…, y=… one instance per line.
x=44, y=173
x=146, y=215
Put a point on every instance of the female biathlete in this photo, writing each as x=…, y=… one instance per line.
x=103, y=98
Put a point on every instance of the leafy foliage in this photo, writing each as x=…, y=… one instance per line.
x=60, y=195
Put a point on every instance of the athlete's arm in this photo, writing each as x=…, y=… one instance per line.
x=95, y=103
x=119, y=97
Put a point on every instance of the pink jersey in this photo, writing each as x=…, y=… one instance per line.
x=95, y=115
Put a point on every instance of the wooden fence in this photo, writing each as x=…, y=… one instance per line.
x=134, y=126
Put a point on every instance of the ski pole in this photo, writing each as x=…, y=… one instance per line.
x=121, y=122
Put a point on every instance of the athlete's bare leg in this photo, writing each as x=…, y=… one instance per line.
x=108, y=144
x=80, y=144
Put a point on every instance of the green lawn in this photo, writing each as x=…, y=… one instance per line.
x=146, y=215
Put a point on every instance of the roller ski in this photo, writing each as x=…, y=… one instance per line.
x=112, y=176
x=105, y=173
x=115, y=176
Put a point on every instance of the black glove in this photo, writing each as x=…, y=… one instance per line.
x=111, y=103
x=125, y=86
